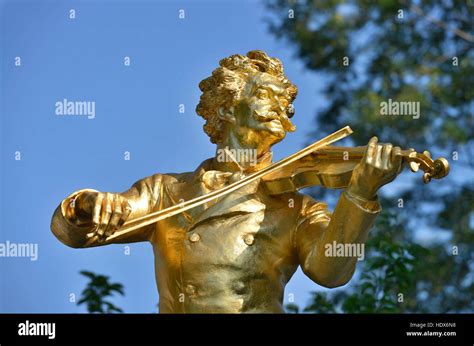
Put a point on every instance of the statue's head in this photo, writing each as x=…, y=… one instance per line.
x=248, y=97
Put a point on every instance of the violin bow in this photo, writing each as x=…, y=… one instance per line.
x=151, y=218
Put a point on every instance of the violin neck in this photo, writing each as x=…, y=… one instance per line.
x=340, y=153
x=347, y=153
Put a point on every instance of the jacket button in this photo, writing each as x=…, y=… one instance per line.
x=194, y=238
x=249, y=239
x=190, y=289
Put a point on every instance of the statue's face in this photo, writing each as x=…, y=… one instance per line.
x=261, y=116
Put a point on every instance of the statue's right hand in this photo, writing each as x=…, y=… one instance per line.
x=108, y=211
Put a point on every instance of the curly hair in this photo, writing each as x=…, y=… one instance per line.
x=224, y=87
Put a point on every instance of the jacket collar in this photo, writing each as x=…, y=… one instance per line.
x=192, y=185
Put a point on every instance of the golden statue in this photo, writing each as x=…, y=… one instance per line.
x=229, y=236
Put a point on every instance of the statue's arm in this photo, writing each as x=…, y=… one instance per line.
x=318, y=229
x=70, y=224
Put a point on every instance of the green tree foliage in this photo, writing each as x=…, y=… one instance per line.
x=97, y=290
x=368, y=52
x=388, y=279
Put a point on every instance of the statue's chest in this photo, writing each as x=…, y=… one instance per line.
x=237, y=232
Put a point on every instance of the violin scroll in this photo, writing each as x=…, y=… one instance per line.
x=436, y=169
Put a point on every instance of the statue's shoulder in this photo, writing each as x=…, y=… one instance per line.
x=165, y=178
x=175, y=178
x=185, y=177
x=312, y=207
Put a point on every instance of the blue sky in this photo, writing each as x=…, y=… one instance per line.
x=136, y=111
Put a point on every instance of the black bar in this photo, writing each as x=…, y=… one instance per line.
x=223, y=329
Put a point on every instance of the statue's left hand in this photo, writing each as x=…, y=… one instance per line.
x=380, y=165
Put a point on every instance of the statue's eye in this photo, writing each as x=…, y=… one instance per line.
x=291, y=110
x=262, y=94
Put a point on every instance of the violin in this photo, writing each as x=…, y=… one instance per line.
x=332, y=167
x=317, y=164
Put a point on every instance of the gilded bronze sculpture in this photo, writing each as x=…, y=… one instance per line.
x=229, y=236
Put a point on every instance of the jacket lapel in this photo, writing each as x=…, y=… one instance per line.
x=243, y=200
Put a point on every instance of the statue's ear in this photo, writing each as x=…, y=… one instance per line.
x=227, y=114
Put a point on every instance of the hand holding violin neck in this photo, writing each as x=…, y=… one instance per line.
x=437, y=169
x=332, y=167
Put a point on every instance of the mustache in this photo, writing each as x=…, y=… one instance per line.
x=272, y=115
x=268, y=116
